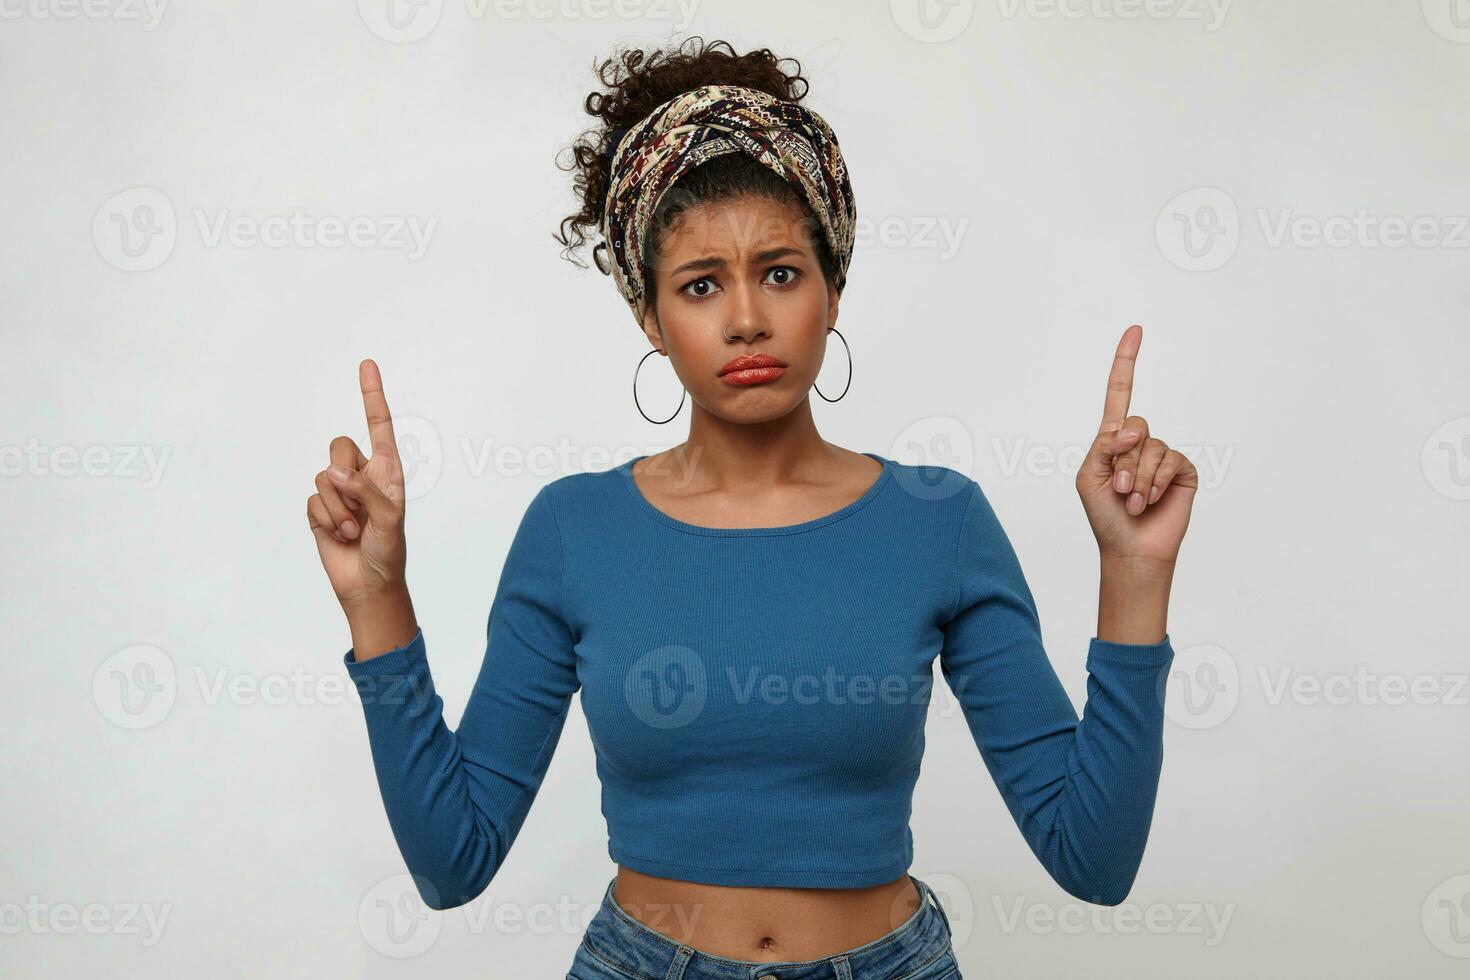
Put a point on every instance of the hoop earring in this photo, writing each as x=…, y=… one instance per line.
x=849, y=371
x=635, y=392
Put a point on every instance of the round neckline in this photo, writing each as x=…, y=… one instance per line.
x=876, y=487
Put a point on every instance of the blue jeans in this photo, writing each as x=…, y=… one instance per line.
x=618, y=947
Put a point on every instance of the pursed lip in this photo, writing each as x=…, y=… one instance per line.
x=747, y=361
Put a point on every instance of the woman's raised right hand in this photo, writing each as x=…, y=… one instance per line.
x=356, y=515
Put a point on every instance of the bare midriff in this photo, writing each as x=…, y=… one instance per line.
x=766, y=925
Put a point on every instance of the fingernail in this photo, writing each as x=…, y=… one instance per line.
x=349, y=528
x=1154, y=494
x=1135, y=502
x=1123, y=481
x=337, y=472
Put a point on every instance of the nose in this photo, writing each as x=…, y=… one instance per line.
x=747, y=317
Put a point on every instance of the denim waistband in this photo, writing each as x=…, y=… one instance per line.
x=613, y=935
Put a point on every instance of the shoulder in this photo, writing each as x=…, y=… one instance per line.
x=576, y=496
x=937, y=490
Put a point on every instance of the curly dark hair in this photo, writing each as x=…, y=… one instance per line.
x=640, y=81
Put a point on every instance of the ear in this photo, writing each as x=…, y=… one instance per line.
x=833, y=299
x=652, y=330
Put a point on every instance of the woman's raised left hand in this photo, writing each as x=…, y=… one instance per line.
x=1137, y=492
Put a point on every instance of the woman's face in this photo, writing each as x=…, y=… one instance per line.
x=746, y=269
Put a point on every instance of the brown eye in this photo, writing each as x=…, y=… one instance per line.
x=791, y=274
x=697, y=295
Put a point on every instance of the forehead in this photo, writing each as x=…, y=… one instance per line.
x=739, y=225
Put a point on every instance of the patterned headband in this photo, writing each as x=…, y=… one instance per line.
x=700, y=125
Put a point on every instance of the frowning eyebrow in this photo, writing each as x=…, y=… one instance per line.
x=715, y=262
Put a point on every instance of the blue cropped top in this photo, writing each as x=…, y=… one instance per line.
x=756, y=697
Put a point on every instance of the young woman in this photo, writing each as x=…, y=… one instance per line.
x=752, y=617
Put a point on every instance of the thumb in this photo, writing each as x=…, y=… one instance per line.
x=380, y=510
x=1097, y=467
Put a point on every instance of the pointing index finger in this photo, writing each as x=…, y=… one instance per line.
x=1120, y=380
x=380, y=422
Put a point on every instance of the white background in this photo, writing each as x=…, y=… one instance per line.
x=1296, y=834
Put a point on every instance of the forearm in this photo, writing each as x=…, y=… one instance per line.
x=1133, y=600
x=437, y=812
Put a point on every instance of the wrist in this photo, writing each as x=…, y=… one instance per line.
x=379, y=623
x=1133, y=600
x=370, y=603
x=1136, y=568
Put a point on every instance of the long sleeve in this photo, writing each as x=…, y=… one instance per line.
x=457, y=799
x=1081, y=792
